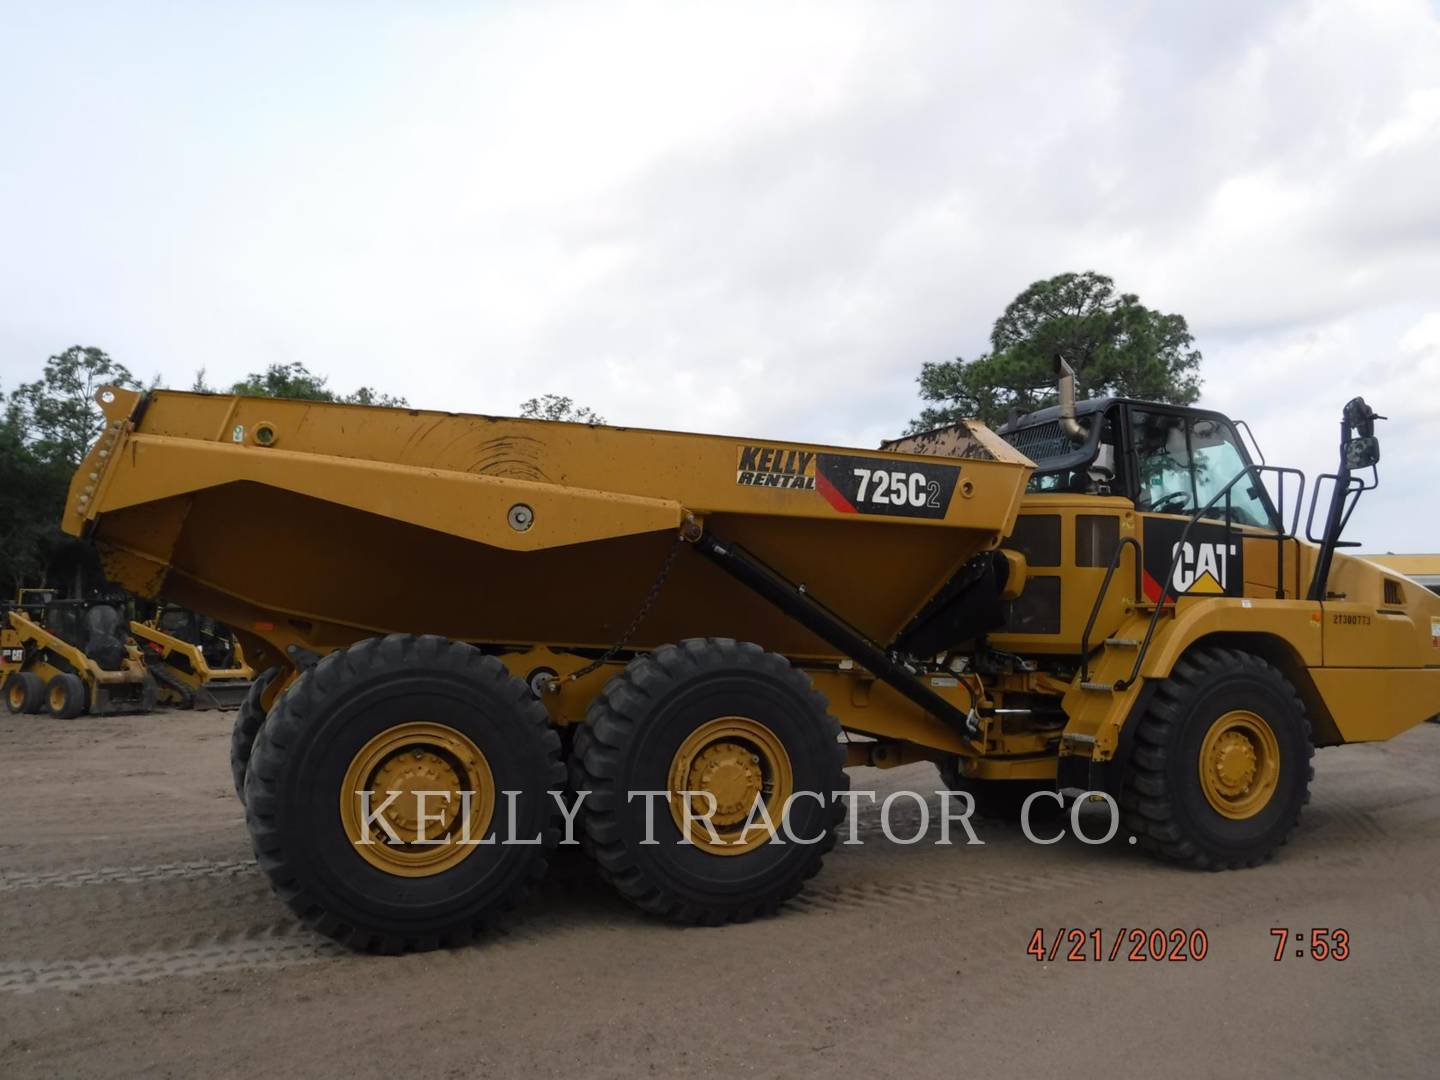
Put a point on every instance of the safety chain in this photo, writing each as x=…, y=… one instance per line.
x=619, y=646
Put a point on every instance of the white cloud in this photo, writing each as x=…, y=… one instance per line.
x=745, y=217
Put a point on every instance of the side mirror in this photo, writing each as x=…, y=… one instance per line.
x=1361, y=417
x=1362, y=452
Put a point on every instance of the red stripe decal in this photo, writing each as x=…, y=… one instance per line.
x=1151, y=586
x=832, y=494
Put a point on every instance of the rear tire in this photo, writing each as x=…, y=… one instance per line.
x=65, y=696
x=650, y=726
x=25, y=692
x=429, y=713
x=1221, y=763
x=248, y=720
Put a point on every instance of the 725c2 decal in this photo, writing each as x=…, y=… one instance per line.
x=866, y=485
x=851, y=483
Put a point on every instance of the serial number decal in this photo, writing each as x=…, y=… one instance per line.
x=1340, y=618
x=1097, y=945
x=862, y=485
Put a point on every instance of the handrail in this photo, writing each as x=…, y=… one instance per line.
x=1355, y=486
x=1280, y=537
x=1100, y=598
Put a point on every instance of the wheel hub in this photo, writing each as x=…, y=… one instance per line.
x=403, y=761
x=1239, y=764
x=17, y=695
x=412, y=771
x=736, y=761
x=730, y=772
x=1235, y=763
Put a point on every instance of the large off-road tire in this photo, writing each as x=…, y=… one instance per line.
x=248, y=719
x=65, y=696
x=721, y=716
x=24, y=692
x=1000, y=800
x=1220, y=767
x=403, y=713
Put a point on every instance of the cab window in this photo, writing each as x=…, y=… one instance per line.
x=1184, y=462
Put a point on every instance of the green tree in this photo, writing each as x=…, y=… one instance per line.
x=1116, y=345
x=31, y=497
x=58, y=412
x=45, y=428
x=295, y=380
x=558, y=407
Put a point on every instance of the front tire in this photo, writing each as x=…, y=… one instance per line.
x=403, y=714
x=1221, y=763
x=718, y=716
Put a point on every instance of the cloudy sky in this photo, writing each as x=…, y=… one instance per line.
x=742, y=218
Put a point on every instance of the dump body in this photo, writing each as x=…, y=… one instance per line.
x=318, y=524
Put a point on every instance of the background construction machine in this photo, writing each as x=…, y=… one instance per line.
x=1112, y=597
x=69, y=657
x=1421, y=569
x=196, y=661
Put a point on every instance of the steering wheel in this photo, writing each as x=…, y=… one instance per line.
x=1180, y=498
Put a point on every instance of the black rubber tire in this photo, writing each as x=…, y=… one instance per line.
x=1163, y=804
x=248, y=719
x=630, y=735
x=300, y=757
x=1000, y=800
x=70, y=692
x=149, y=693
x=31, y=698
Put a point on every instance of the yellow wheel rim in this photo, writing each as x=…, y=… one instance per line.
x=57, y=698
x=1239, y=764
x=17, y=695
x=736, y=761
x=404, y=760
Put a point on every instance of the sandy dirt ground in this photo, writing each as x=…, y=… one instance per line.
x=137, y=939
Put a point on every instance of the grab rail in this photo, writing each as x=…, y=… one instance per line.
x=1281, y=535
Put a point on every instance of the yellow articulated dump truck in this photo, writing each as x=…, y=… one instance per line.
x=478, y=632
x=195, y=660
x=68, y=657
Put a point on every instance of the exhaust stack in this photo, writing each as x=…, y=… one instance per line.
x=1066, y=389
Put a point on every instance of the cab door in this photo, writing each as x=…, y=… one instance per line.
x=1180, y=461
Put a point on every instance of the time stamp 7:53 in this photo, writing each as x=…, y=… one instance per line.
x=1324, y=943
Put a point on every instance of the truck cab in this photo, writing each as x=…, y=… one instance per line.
x=1166, y=459
x=1133, y=473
